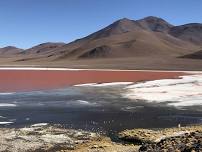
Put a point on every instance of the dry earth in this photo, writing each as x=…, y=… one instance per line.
x=43, y=137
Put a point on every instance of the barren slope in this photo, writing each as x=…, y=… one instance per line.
x=147, y=43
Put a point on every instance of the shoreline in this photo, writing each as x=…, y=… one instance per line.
x=90, y=69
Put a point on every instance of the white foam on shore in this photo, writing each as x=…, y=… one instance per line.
x=7, y=105
x=185, y=91
x=85, y=84
x=9, y=67
x=5, y=123
x=103, y=84
x=37, y=68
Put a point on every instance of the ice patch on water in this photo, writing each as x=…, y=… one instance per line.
x=7, y=105
x=86, y=103
x=7, y=93
x=185, y=91
x=5, y=123
x=130, y=108
x=39, y=125
x=83, y=102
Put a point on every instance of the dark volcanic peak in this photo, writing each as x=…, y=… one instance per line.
x=155, y=24
x=125, y=25
x=154, y=18
x=119, y=27
x=123, y=22
x=190, y=32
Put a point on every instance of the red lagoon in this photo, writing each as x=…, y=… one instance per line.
x=30, y=80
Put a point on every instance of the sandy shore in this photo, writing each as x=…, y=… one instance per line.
x=29, y=79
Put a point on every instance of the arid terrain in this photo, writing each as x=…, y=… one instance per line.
x=43, y=137
x=148, y=43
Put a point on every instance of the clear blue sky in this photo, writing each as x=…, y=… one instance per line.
x=24, y=23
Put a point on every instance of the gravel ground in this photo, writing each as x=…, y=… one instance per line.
x=45, y=138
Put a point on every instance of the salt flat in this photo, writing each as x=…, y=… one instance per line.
x=184, y=91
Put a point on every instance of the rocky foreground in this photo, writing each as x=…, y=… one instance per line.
x=183, y=139
x=43, y=137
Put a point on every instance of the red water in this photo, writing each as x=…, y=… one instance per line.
x=29, y=80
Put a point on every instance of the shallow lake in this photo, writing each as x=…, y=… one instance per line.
x=100, y=109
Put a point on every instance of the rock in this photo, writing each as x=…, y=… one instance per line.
x=173, y=139
x=41, y=137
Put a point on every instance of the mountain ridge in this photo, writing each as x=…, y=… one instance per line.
x=150, y=36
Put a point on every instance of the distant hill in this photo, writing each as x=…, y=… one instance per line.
x=43, y=48
x=9, y=51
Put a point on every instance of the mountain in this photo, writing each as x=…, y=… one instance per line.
x=150, y=42
x=155, y=24
x=43, y=48
x=151, y=36
x=189, y=32
x=119, y=27
x=9, y=51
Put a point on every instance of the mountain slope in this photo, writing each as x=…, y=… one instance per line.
x=128, y=38
x=154, y=24
x=188, y=32
x=9, y=51
x=195, y=55
x=148, y=38
x=43, y=48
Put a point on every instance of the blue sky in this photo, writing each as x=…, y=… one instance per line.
x=25, y=23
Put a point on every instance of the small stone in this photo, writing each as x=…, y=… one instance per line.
x=94, y=146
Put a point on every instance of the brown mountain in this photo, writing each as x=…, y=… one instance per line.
x=150, y=42
x=9, y=51
x=189, y=32
x=155, y=24
x=43, y=48
x=150, y=36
